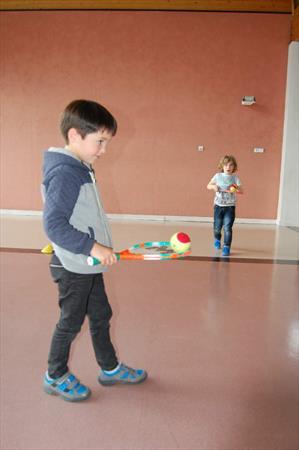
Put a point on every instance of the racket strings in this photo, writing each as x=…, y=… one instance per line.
x=153, y=251
x=151, y=248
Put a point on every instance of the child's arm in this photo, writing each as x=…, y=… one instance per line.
x=60, y=200
x=103, y=254
x=212, y=186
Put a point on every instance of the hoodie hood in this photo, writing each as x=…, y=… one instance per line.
x=54, y=158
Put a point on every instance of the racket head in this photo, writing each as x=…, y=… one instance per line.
x=152, y=251
x=148, y=251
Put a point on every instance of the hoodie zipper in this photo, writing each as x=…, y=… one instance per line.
x=93, y=179
x=92, y=176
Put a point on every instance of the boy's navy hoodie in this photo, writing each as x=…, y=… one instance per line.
x=73, y=217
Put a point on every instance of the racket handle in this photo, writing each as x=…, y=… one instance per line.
x=91, y=261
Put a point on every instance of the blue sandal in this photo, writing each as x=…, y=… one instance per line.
x=122, y=375
x=217, y=244
x=68, y=387
x=226, y=250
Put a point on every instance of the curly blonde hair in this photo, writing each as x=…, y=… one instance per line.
x=226, y=159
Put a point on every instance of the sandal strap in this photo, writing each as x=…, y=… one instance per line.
x=127, y=371
x=67, y=382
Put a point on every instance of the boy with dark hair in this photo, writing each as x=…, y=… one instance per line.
x=77, y=226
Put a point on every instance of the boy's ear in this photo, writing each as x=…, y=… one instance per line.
x=73, y=136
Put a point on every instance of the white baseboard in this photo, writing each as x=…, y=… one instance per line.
x=19, y=212
x=149, y=218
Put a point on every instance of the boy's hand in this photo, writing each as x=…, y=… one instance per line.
x=103, y=254
x=234, y=189
x=213, y=187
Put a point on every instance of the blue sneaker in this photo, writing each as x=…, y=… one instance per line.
x=68, y=387
x=122, y=375
x=225, y=250
x=217, y=244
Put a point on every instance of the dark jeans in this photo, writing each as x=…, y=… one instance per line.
x=80, y=296
x=224, y=216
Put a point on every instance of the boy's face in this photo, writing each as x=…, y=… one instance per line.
x=90, y=148
x=228, y=168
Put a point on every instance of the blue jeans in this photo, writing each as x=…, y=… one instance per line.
x=80, y=296
x=224, y=216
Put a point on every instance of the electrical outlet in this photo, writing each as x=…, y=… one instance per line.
x=258, y=150
x=200, y=148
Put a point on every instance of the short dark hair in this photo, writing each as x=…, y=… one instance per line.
x=86, y=117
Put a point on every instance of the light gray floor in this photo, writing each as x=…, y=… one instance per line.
x=249, y=240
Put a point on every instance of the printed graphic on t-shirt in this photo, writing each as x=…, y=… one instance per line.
x=225, y=198
x=224, y=181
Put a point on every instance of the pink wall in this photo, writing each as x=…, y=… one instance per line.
x=173, y=80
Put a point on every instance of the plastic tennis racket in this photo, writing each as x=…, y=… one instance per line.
x=148, y=251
